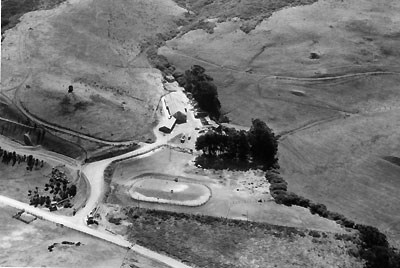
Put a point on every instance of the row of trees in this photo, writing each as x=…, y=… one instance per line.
x=204, y=91
x=14, y=158
x=374, y=247
x=258, y=145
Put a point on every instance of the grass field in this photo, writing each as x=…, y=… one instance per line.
x=98, y=48
x=281, y=46
x=16, y=181
x=343, y=166
x=338, y=130
x=237, y=195
x=215, y=242
x=26, y=245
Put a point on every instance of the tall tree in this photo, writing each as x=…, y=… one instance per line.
x=263, y=143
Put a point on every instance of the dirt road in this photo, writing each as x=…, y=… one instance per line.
x=95, y=176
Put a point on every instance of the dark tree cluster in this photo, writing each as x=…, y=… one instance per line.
x=258, y=146
x=278, y=190
x=14, y=158
x=204, y=91
x=59, y=189
x=374, y=247
x=229, y=143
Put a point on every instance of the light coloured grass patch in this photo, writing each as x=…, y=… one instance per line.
x=164, y=189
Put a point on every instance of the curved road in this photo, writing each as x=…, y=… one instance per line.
x=94, y=173
x=39, y=121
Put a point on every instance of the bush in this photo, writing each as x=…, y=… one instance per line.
x=289, y=199
x=278, y=186
x=371, y=236
x=375, y=248
x=314, y=234
x=319, y=209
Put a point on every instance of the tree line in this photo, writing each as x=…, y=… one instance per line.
x=204, y=91
x=14, y=158
x=374, y=247
x=258, y=146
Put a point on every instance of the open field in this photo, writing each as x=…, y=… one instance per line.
x=237, y=195
x=323, y=74
x=281, y=46
x=16, y=181
x=98, y=48
x=34, y=239
x=343, y=166
x=326, y=76
x=13, y=125
x=214, y=242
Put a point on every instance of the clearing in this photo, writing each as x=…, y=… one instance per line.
x=236, y=195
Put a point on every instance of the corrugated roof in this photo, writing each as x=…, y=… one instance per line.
x=174, y=102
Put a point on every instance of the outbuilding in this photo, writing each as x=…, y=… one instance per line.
x=168, y=125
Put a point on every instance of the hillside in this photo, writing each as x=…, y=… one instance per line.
x=326, y=77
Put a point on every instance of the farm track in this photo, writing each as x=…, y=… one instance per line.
x=23, y=58
x=64, y=130
x=94, y=173
x=289, y=78
x=286, y=133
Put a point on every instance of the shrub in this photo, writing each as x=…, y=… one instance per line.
x=289, y=199
x=278, y=186
x=371, y=236
x=319, y=209
x=314, y=234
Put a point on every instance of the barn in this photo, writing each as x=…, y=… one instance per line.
x=176, y=106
